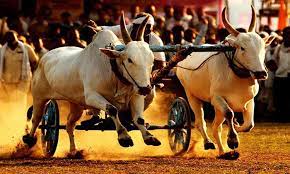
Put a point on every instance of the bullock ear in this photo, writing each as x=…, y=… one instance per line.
x=111, y=53
x=268, y=40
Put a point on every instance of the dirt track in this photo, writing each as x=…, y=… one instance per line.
x=148, y=165
x=264, y=150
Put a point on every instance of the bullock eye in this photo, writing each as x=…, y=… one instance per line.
x=242, y=48
x=130, y=60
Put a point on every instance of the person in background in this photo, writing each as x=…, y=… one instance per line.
x=169, y=17
x=222, y=34
x=282, y=77
x=38, y=27
x=73, y=39
x=135, y=9
x=178, y=34
x=167, y=37
x=272, y=67
x=54, y=39
x=105, y=18
x=151, y=9
x=17, y=63
x=189, y=36
x=211, y=39
x=159, y=27
x=66, y=23
x=3, y=28
x=39, y=49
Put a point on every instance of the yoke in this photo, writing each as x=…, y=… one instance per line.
x=182, y=52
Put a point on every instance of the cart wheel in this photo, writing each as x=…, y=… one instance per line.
x=50, y=128
x=179, y=116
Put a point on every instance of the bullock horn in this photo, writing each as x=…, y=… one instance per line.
x=141, y=29
x=125, y=35
x=228, y=26
x=253, y=20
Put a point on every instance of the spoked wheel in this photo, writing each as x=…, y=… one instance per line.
x=50, y=128
x=180, y=119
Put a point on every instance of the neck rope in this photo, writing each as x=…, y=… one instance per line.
x=239, y=69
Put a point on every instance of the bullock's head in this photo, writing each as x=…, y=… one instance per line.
x=136, y=61
x=250, y=47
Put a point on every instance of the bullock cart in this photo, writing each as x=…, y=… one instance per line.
x=179, y=117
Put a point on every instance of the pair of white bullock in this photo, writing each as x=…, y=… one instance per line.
x=85, y=79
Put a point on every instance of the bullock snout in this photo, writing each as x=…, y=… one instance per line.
x=145, y=90
x=260, y=75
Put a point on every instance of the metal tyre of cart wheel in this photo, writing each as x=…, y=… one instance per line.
x=50, y=128
x=179, y=117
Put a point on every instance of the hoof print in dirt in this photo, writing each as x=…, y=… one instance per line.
x=126, y=142
x=152, y=141
x=232, y=155
x=30, y=141
x=209, y=145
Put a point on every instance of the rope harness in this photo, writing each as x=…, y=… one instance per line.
x=238, y=68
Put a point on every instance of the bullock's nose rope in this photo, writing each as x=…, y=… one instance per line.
x=142, y=90
x=241, y=70
x=130, y=75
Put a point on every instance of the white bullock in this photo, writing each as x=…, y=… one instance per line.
x=230, y=85
x=84, y=77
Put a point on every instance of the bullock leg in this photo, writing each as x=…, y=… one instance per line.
x=200, y=124
x=221, y=105
x=74, y=115
x=248, y=115
x=95, y=100
x=137, y=109
x=38, y=107
x=217, y=130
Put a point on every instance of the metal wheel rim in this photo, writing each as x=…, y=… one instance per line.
x=50, y=135
x=179, y=139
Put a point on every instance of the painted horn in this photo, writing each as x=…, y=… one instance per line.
x=125, y=34
x=141, y=29
x=253, y=20
x=227, y=25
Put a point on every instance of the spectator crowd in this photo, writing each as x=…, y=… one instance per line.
x=174, y=25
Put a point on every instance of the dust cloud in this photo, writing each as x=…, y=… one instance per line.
x=92, y=145
x=13, y=126
x=98, y=145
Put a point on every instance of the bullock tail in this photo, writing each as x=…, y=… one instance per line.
x=29, y=113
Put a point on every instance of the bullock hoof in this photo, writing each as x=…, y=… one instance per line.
x=79, y=154
x=233, y=155
x=152, y=141
x=209, y=145
x=233, y=143
x=126, y=142
x=30, y=141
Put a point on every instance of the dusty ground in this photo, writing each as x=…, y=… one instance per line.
x=264, y=150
